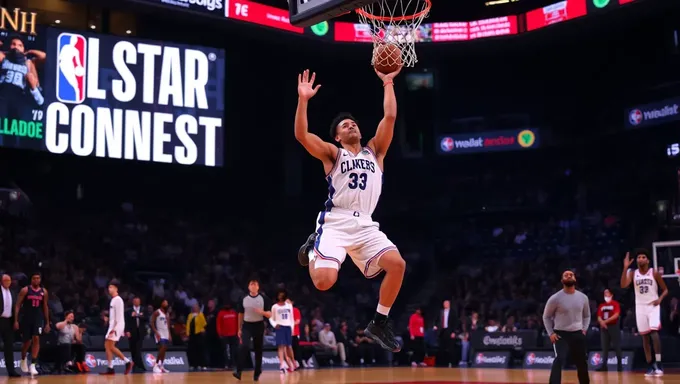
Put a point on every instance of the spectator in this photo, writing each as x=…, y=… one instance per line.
x=608, y=317
x=213, y=342
x=509, y=325
x=158, y=289
x=491, y=326
x=136, y=320
x=448, y=319
x=307, y=344
x=675, y=317
x=227, y=330
x=344, y=338
x=196, y=331
x=365, y=347
x=297, y=318
x=465, y=345
x=416, y=329
x=328, y=342
x=71, y=350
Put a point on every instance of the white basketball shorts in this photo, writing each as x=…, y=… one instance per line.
x=116, y=335
x=648, y=318
x=341, y=232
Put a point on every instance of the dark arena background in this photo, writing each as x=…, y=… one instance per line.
x=153, y=142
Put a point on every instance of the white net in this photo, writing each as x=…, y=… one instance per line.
x=394, y=24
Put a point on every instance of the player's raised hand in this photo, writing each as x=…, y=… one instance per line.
x=306, y=88
x=387, y=77
x=628, y=261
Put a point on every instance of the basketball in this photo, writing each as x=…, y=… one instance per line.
x=387, y=58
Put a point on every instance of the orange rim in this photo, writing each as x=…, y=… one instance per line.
x=428, y=5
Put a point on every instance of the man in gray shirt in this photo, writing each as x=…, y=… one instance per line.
x=251, y=315
x=566, y=318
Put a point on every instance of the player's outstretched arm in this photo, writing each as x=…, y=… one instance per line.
x=383, y=136
x=627, y=275
x=316, y=147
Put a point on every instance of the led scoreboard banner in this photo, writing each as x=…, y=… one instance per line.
x=112, y=97
x=437, y=32
x=555, y=13
x=261, y=14
x=278, y=18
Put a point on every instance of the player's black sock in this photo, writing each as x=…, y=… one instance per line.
x=380, y=319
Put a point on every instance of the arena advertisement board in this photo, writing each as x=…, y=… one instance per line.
x=174, y=361
x=538, y=359
x=271, y=362
x=437, y=32
x=114, y=97
x=491, y=359
x=206, y=7
x=595, y=360
x=650, y=114
x=511, y=140
x=507, y=340
x=3, y=363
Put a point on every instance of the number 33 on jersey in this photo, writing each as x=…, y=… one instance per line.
x=355, y=182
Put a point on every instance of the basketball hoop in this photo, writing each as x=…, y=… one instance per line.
x=396, y=23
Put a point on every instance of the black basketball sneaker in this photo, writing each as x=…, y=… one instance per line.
x=308, y=246
x=383, y=335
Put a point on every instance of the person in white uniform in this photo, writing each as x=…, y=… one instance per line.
x=354, y=174
x=161, y=330
x=282, y=321
x=647, y=282
x=116, y=330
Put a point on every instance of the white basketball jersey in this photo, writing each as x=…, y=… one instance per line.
x=283, y=314
x=162, y=325
x=355, y=182
x=646, y=288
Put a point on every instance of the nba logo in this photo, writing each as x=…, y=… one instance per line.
x=531, y=359
x=480, y=358
x=90, y=361
x=71, y=57
x=447, y=144
x=150, y=360
x=596, y=359
x=635, y=117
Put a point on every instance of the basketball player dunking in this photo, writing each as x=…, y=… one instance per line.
x=161, y=330
x=33, y=320
x=646, y=282
x=354, y=175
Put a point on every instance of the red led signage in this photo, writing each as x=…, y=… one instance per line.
x=555, y=13
x=261, y=14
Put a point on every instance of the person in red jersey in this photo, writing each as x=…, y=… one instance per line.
x=297, y=317
x=608, y=314
x=416, y=329
x=227, y=330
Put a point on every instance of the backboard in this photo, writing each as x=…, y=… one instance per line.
x=666, y=256
x=305, y=13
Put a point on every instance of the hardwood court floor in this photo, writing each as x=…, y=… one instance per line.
x=355, y=376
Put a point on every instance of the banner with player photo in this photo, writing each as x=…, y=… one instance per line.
x=22, y=75
x=112, y=97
